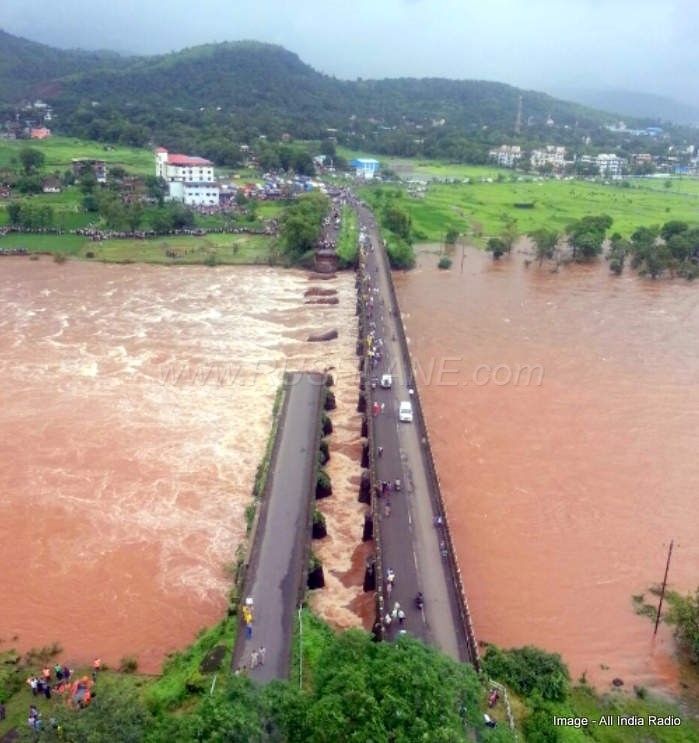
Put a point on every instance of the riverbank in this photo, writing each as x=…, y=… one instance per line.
x=195, y=691
x=212, y=248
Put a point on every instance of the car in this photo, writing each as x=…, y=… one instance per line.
x=386, y=381
x=405, y=412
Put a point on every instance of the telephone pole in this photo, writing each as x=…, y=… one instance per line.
x=662, y=590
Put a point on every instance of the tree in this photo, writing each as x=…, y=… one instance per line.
x=301, y=224
x=14, y=211
x=31, y=159
x=156, y=188
x=673, y=227
x=529, y=671
x=619, y=248
x=29, y=184
x=586, y=235
x=115, y=713
x=397, y=220
x=545, y=242
x=497, y=247
x=451, y=236
x=683, y=614
x=327, y=148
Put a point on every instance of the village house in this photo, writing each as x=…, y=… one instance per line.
x=51, y=184
x=39, y=132
x=99, y=168
x=190, y=179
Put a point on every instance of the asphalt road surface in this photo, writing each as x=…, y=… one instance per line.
x=277, y=567
x=410, y=539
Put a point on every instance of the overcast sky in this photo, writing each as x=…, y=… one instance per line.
x=646, y=45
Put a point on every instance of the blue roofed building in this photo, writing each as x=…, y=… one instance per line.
x=365, y=168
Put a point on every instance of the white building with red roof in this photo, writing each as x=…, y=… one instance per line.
x=190, y=179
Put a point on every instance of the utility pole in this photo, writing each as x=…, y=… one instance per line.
x=662, y=590
x=518, y=118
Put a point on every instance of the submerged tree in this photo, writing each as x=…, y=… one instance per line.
x=545, y=242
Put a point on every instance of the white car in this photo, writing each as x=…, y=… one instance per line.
x=386, y=381
x=405, y=412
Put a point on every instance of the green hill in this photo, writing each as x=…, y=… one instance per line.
x=213, y=97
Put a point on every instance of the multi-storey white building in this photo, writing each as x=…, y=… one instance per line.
x=507, y=156
x=609, y=166
x=556, y=156
x=190, y=179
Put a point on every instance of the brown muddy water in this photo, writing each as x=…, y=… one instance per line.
x=564, y=415
x=136, y=403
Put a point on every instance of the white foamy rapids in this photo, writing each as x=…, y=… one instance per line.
x=136, y=407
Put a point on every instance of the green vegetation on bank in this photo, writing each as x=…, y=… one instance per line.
x=212, y=249
x=347, y=241
x=481, y=210
x=397, y=229
x=343, y=686
x=302, y=226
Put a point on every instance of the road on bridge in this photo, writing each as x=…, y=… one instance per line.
x=277, y=568
x=411, y=541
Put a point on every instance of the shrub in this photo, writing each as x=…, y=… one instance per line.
x=324, y=453
x=444, y=263
x=128, y=664
x=529, y=670
x=324, y=486
x=400, y=254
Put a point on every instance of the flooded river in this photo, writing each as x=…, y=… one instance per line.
x=136, y=405
x=564, y=414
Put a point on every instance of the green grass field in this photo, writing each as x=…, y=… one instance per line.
x=60, y=151
x=486, y=208
x=424, y=169
x=216, y=248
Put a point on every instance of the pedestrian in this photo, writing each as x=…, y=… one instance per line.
x=248, y=631
x=254, y=659
x=379, y=450
x=401, y=617
x=389, y=588
x=261, y=653
x=47, y=690
x=383, y=406
x=387, y=620
x=3, y=713
x=387, y=509
x=396, y=609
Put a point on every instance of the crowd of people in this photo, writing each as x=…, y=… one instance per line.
x=58, y=679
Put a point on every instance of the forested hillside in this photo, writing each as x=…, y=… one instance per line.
x=214, y=97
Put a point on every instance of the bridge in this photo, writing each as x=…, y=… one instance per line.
x=410, y=528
